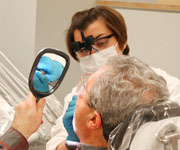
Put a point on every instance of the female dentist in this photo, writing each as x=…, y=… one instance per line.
x=93, y=37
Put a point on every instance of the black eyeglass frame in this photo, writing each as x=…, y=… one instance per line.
x=87, y=44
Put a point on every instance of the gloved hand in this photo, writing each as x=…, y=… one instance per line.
x=40, y=82
x=53, y=69
x=68, y=118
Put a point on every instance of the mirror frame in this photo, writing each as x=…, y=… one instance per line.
x=37, y=94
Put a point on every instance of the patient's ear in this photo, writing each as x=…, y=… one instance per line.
x=94, y=121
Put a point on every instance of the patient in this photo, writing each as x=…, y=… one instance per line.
x=111, y=94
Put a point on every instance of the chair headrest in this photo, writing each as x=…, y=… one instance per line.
x=147, y=136
x=123, y=134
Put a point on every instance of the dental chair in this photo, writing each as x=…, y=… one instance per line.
x=151, y=128
x=161, y=135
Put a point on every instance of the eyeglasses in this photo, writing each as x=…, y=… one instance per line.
x=82, y=83
x=94, y=45
x=83, y=89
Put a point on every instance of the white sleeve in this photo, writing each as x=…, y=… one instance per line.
x=173, y=85
x=58, y=132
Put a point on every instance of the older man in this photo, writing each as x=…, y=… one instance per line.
x=111, y=94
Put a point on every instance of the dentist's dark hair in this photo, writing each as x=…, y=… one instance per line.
x=112, y=18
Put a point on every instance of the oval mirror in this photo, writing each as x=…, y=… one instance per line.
x=48, y=71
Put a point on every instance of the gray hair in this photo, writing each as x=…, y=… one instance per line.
x=128, y=84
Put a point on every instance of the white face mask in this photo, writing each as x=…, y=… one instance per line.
x=91, y=63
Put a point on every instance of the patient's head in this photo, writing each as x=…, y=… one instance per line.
x=111, y=94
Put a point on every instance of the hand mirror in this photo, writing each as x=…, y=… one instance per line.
x=47, y=72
